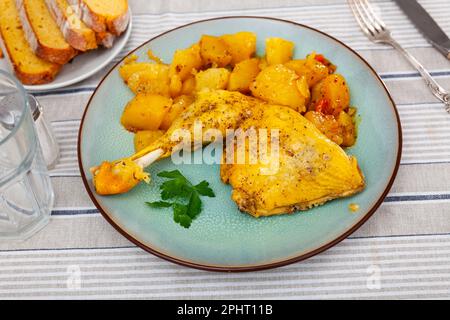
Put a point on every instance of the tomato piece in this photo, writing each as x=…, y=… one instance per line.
x=323, y=106
x=320, y=58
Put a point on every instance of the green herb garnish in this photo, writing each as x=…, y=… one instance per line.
x=183, y=190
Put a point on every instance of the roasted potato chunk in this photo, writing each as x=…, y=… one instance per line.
x=142, y=77
x=212, y=79
x=278, y=50
x=310, y=68
x=348, y=129
x=331, y=91
x=214, y=51
x=145, y=137
x=185, y=61
x=130, y=67
x=341, y=130
x=327, y=124
x=243, y=75
x=241, y=45
x=175, y=86
x=145, y=112
x=280, y=85
x=320, y=57
x=188, y=86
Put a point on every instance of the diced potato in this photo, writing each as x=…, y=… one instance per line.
x=334, y=90
x=188, y=86
x=146, y=77
x=127, y=69
x=280, y=85
x=311, y=69
x=145, y=112
x=144, y=138
x=175, y=86
x=212, y=79
x=327, y=124
x=241, y=45
x=349, y=129
x=179, y=105
x=340, y=129
x=278, y=50
x=214, y=51
x=185, y=61
x=243, y=75
x=320, y=57
x=303, y=88
x=144, y=82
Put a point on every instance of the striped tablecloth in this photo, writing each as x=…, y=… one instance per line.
x=403, y=251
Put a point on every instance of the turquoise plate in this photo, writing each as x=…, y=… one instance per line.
x=222, y=238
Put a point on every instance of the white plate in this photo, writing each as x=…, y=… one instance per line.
x=81, y=67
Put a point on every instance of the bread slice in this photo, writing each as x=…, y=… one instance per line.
x=42, y=32
x=105, y=39
x=100, y=15
x=29, y=68
x=76, y=33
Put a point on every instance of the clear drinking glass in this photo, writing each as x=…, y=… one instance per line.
x=26, y=194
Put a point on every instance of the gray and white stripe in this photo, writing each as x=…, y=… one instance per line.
x=401, y=267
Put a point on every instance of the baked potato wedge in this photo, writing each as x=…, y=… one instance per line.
x=214, y=51
x=145, y=112
x=241, y=45
x=243, y=74
x=278, y=84
x=143, y=77
x=311, y=69
x=212, y=79
x=185, y=61
x=331, y=95
x=278, y=50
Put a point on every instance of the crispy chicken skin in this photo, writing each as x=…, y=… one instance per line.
x=220, y=110
x=309, y=170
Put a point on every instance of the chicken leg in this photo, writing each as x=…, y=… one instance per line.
x=220, y=110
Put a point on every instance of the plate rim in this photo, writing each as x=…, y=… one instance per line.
x=256, y=267
x=52, y=86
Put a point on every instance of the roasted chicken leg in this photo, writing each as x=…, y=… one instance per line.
x=220, y=110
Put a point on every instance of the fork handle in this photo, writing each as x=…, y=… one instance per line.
x=435, y=88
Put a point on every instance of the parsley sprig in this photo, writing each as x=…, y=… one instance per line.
x=187, y=204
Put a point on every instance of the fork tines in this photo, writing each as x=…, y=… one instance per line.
x=368, y=20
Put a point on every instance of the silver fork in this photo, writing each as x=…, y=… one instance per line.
x=377, y=32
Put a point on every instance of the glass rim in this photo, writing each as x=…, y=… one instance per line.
x=23, y=94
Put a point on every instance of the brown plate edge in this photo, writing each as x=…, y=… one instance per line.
x=255, y=267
